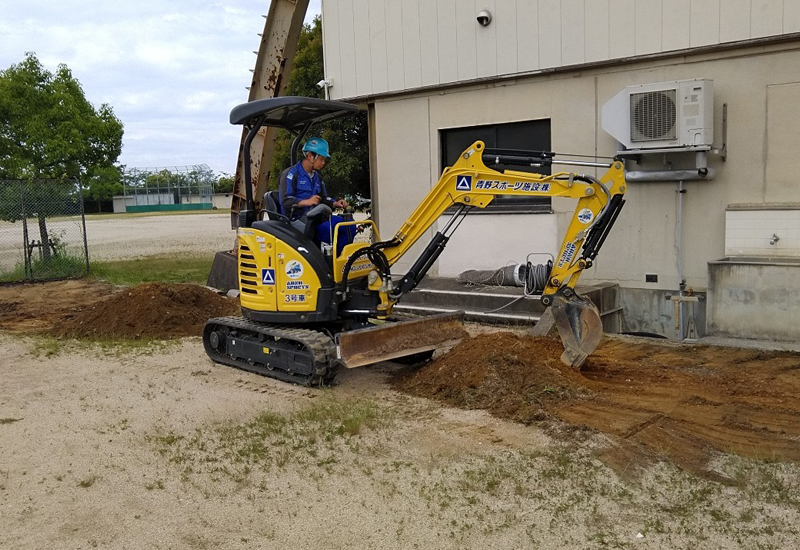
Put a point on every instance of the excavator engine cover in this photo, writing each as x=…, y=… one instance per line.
x=579, y=326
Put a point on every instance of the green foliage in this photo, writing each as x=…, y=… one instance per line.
x=347, y=171
x=224, y=184
x=199, y=177
x=55, y=261
x=101, y=186
x=48, y=129
x=59, y=266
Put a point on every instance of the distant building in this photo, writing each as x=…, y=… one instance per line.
x=162, y=189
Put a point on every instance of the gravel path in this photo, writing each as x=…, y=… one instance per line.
x=120, y=238
x=117, y=238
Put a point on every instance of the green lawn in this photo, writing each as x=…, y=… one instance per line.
x=125, y=215
x=162, y=268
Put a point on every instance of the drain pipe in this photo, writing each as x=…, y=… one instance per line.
x=682, y=283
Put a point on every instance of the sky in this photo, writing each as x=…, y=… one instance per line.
x=171, y=70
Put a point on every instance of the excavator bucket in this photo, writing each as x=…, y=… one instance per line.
x=579, y=326
x=396, y=339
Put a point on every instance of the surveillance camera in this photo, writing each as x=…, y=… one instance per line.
x=322, y=84
x=484, y=18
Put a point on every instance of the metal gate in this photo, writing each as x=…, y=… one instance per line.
x=42, y=230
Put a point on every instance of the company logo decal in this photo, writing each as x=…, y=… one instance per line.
x=464, y=183
x=267, y=276
x=585, y=216
x=568, y=254
x=521, y=186
x=294, y=269
x=296, y=285
x=362, y=265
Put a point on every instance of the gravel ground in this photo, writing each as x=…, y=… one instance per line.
x=119, y=238
x=121, y=448
x=162, y=449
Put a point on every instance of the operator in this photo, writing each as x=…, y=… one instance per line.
x=301, y=188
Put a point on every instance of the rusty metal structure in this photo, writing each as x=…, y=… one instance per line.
x=275, y=55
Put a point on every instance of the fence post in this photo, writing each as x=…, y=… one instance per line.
x=28, y=269
x=83, y=221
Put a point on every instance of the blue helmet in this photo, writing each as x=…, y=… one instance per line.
x=318, y=146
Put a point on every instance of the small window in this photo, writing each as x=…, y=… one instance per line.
x=531, y=135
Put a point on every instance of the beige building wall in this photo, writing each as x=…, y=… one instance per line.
x=379, y=46
x=760, y=85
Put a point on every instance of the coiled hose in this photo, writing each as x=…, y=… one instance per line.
x=531, y=276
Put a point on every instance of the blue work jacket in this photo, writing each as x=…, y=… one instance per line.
x=297, y=185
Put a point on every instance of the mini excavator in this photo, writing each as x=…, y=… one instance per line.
x=308, y=311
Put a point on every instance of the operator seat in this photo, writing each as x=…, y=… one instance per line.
x=272, y=205
x=305, y=225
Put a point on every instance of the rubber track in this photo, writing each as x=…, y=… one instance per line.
x=325, y=363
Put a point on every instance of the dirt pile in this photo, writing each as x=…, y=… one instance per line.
x=151, y=310
x=511, y=376
x=654, y=401
x=37, y=307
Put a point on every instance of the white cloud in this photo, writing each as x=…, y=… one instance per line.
x=171, y=70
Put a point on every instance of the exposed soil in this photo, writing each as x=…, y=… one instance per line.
x=653, y=400
x=685, y=403
x=91, y=309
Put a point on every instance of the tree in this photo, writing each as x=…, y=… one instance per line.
x=347, y=173
x=224, y=184
x=50, y=131
x=101, y=186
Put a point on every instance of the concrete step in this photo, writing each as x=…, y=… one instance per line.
x=499, y=305
x=489, y=304
x=472, y=315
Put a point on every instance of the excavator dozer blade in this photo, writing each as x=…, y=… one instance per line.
x=579, y=326
x=392, y=340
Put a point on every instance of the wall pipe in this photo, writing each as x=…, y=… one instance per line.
x=643, y=176
x=681, y=279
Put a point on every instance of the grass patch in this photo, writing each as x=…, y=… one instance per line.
x=314, y=437
x=61, y=266
x=164, y=268
x=50, y=346
x=127, y=215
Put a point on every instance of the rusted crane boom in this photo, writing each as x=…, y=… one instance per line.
x=284, y=22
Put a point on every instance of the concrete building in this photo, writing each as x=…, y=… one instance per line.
x=430, y=73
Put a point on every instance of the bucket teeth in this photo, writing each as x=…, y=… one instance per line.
x=579, y=326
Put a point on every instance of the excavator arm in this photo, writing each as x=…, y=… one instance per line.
x=468, y=184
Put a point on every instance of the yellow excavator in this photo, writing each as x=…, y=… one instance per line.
x=308, y=310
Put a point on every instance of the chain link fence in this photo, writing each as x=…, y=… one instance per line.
x=42, y=230
x=168, y=188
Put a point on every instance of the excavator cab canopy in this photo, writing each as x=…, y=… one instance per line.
x=292, y=113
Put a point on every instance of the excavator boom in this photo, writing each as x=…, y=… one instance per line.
x=468, y=184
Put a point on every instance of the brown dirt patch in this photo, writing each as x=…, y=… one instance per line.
x=682, y=403
x=37, y=307
x=86, y=308
x=508, y=375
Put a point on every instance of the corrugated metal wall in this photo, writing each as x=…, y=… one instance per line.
x=379, y=46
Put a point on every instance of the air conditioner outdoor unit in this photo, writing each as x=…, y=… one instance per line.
x=677, y=114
